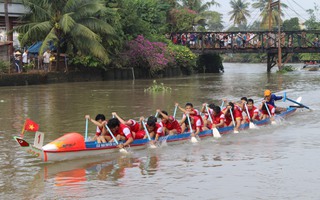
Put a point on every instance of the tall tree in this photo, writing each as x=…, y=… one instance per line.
x=197, y=5
x=239, y=12
x=263, y=6
x=75, y=22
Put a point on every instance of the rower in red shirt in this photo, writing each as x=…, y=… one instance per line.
x=205, y=119
x=191, y=111
x=120, y=131
x=236, y=114
x=264, y=111
x=154, y=128
x=196, y=125
x=170, y=125
x=218, y=118
x=253, y=111
x=99, y=121
x=132, y=124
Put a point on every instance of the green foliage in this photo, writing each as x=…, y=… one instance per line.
x=291, y=24
x=183, y=56
x=155, y=87
x=239, y=11
x=312, y=23
x=75, y=22
x=182, y=20
x=4, y=67
x=309, y=56
x=86, y=61
x=285, y=69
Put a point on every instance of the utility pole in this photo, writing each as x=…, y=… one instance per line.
x=277, y=3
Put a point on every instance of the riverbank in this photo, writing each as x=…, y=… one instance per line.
x=40, y=77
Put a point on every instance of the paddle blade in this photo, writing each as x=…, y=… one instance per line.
x=152, y=146
x=284, y=97
x=216, y=133
x=194, y=140
x=273, y=122
x=252, y=126
x=235, y=131
x=122, y=150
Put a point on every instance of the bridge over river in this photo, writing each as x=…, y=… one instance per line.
x=305, y=41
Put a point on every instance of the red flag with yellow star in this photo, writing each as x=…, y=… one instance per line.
x=30, y=125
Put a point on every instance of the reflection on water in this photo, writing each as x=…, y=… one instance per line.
x=279, y=161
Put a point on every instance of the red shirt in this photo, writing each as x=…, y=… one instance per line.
x=197, y=123
x=134, y=127
x=271, y=109
x=253, y=111
x=172, y=125
x=217, y=119
x=124, y=131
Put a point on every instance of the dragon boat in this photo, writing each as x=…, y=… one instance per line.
x=73, y=145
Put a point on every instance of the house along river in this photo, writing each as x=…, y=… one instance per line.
x=274, y=162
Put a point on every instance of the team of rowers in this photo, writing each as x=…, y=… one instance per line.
x=233, y=114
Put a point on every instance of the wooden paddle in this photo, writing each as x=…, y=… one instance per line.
x=193, y=139
x=149, y=138
x=251, y=124
x=293, y=101
x=234, y=123
x=122, y=150
x=271, y=118
x=215, y=131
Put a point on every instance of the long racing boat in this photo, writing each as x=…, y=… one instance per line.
x=73, y=145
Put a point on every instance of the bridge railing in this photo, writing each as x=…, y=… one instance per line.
x=240, y=41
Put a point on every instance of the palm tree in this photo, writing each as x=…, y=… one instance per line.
x=7, y=23
x=263, y=6
x=239, y=12
x=197, y=5
x=71, y=22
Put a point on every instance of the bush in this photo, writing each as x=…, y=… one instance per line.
x=151, y=55
x=155, y=87
x=286, y=68
x=4, y=67
x=183, y=56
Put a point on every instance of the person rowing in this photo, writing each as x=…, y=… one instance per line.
x=233, y=116
x=154, y=128
x=268, y=111
x=218, y=118
x=191, y=111
x=196, y=125
x=132, y=124
x=170, y=125
x=207, y=111
x=253, y=111
x=99, y=122
x=121, y=132
x=270, y=98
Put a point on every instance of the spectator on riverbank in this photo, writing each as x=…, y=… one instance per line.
x=46, y=60
x=17, y=60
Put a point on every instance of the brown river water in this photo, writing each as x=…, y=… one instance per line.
x=274, y=162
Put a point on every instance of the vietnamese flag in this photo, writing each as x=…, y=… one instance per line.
x=30, y=125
